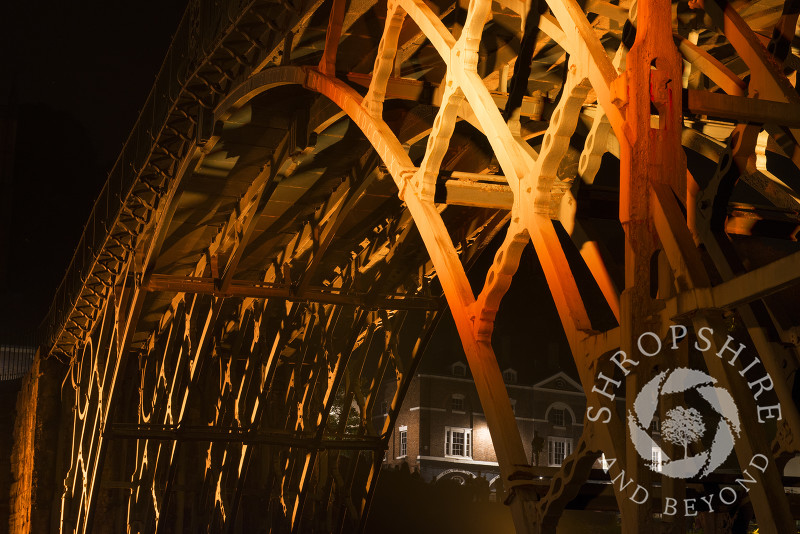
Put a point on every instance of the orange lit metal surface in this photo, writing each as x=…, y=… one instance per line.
x=284, y=245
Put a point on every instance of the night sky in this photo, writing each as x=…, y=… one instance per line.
x=74, y=75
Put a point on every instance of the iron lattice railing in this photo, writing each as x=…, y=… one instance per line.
x=17, y=350
x=200, y=28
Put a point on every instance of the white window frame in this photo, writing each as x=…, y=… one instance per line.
x=510, y=376
x=403, y=442
x=457, y=397
x=563, y=413
x=655, y=426
x=553, y=443
x=655, y=457
x=466, y=438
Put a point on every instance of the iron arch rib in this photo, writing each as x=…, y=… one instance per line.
x=263, y=274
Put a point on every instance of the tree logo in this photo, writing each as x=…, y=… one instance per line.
x=684, y=426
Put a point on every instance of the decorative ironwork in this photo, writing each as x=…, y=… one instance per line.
x=263, y=256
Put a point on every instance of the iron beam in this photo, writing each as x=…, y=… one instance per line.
x=179, y=433
x=741, y=109
x=265, y=290
x=753, y=285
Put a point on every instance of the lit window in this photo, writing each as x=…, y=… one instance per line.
x=604, y=462
x=458, y=442
x=655, y=456
x=510, y=376
x=403, y=441
x=558, y=449
x=457, y=403
x=557, y=416
x=459, y=369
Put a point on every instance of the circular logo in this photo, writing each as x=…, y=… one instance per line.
x=683, y=426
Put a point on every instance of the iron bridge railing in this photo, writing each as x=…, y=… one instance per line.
x=197, y=35
x=17, y=350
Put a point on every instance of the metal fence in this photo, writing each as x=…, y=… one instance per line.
x=199, y=30
x=16, y=354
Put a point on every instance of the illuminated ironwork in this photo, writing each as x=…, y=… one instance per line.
x=291, y=213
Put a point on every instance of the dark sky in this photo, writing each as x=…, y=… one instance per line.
x=76, y=75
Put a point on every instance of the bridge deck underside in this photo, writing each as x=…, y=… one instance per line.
x=271, y=267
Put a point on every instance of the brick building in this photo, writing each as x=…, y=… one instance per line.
x=442, y=432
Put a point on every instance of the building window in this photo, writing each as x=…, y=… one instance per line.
x=459, y=369
x=655, y=426
x=457, y=403
x=558, y=449
x=655, y=456
x=458, y=442
x=510, y=376
x=384, y=408
x=557, y=416
x=403, y=441
x=513, y=406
